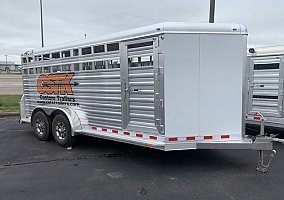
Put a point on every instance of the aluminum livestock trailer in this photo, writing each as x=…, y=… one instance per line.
x=264, y=78
x=169, y=86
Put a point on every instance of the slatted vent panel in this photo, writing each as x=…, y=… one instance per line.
x=265, y=88
x=141, y=82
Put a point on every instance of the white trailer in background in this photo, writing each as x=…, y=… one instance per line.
x=169, y=86
x=264, y=78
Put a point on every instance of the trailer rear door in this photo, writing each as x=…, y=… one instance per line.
x=266, y=86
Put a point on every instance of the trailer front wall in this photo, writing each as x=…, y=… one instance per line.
x=203, y=84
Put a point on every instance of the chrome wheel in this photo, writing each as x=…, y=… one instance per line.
x=40, y=127
x=61, y=131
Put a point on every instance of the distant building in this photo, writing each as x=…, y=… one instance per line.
x=9, y=66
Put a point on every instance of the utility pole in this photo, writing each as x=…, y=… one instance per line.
x=6, y=62
x=41, y=23
x=212, y=11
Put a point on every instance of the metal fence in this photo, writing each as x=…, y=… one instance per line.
x=10, y=83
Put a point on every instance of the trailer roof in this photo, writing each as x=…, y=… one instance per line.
x=269, y=50
x=160, y=28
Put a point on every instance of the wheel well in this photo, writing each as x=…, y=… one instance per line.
x=51, y=116
x=58, y=112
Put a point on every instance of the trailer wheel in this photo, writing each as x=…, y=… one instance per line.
x=41, y=126
x=61, y=131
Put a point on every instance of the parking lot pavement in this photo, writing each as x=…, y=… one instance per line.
x=101, y=169
x=11, y=84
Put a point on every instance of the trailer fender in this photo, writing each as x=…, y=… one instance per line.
x=70, y=113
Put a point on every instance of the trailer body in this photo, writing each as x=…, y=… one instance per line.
x=169, y=86
x=264, y=83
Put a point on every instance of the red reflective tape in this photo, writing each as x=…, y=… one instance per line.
x=256, y=118
x=150, y=145
x=153, y=137
x=104, y=129
x=114, y=131
x=208, y=137
x=225, y=136
x=190, y=138
x=126, y=133
x=94, y=128
x=139, y=135
x=173, y=139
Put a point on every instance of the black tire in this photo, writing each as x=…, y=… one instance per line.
x=41, y=126
x=61, y=131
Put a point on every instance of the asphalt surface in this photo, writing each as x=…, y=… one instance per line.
x=101, y=169
x=11, y=84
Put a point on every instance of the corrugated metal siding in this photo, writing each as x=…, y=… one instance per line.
x=265, y=92
x=265, y=89
x=98, y=93
x=141, y=102
x=30, y=92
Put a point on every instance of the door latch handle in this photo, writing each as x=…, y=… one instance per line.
x=127, y=89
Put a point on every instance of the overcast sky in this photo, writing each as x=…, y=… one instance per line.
x=69, y=20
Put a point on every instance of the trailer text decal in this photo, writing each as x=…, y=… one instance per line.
x=56, y=84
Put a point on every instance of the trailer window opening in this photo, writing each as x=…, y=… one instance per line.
x=55, y=55
x=66, y=68
x=46, y=56
x=86, y=50
x=56, y=68
x=46, y=70
x=99, y=49
x=144, y=44
x=66, y=54
x=112, y=64
x=24, y=60
x=38, y=70
x=31, y=71
x=76, y=66
x=266, y=66
x=25, y=72
x=264, y=97
x=87, y=66
x=38, y=58
x=100, y=64
x=75, y=52
x=113, y=47
x=133, y=62
x=30, y=59
x=147, y=61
